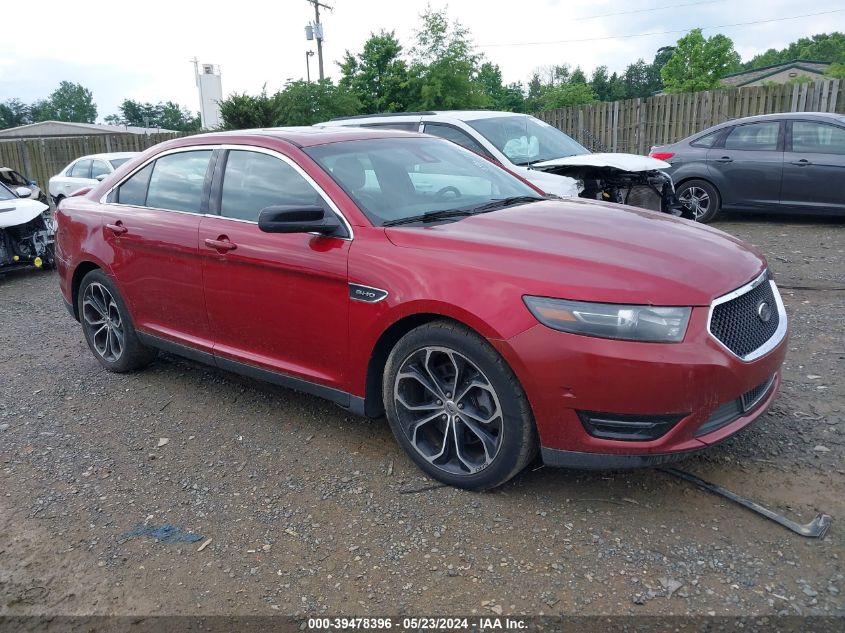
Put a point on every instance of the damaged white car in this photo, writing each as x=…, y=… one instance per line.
x=26, y=230
x=541, y=154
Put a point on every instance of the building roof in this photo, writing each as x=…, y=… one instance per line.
x=65, y=128
x=756, y=74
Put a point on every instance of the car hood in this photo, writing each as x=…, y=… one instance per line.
x=19, y=211
x=590, y=251
x=562, y=186
x=624, y=162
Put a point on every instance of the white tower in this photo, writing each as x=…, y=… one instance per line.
x=211, y=93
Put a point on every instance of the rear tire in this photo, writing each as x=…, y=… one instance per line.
x=108, y=327
x=701, y=199
x=456, y=407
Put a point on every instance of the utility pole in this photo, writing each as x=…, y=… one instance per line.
x=318, y=32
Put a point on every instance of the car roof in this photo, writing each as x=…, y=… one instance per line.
x=460, y=115
x=822, y=116
x=308, y=136
x=109, y=155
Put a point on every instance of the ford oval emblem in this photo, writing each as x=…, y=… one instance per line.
x=764, y=311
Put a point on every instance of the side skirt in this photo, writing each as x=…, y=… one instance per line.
x=354, y=404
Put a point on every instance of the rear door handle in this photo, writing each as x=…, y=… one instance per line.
x=725, y=159
x=801, y=163
x=221, y=244
x=117, y=228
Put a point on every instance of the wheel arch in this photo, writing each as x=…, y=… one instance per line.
x=82, y=269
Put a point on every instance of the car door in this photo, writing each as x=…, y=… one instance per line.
x=151, y=221
x=77, y=176
x=275, y=301
x=747, y=165
x=814, y=162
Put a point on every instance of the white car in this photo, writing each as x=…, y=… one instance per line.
x=540, y=153
x=86, y=171
x=26, y=230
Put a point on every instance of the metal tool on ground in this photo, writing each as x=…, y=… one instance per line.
x=816, y=528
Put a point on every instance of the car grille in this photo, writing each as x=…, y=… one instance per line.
x=735, y=409
x=736, y=322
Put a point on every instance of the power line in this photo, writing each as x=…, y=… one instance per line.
x=667, y=6
x=632, y=35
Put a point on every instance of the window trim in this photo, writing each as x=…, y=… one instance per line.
x=791, y=148
x=211, y=188
x=779, y=147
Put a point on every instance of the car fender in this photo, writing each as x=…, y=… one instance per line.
x=19, y=211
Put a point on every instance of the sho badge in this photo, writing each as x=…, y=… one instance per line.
x=764, y=311
x=367, y=294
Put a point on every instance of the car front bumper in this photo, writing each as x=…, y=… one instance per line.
x=696, y=381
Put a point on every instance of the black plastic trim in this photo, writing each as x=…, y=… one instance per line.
x=604, y=461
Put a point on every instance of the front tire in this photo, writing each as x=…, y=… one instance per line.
x=456, y=407
x=701, y=199
x=108, y=327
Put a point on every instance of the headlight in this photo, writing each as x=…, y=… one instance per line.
x=611, y=320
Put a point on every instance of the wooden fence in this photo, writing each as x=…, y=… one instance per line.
x=635, y=125
x=42, y=158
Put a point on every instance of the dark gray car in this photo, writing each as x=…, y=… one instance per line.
x=791, y=162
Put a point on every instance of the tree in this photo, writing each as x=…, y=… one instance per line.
x=167, y=115
x=699, y=63
x=70, y=102
x=578, y=76
x=306, y=103
x=243, y=111
x=637, y=80
x=14, y=112
x=378, y=76
x=509, y=98
x=836, y=71
x=824, y=47
x=568, y=94
x=445, y=66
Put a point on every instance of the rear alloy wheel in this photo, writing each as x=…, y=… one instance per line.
x=701, y=199
x=107, y=326
x=456, y=408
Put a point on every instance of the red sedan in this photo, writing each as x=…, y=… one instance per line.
x=401, y=275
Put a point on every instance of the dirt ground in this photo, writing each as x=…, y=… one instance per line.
x=312, y=511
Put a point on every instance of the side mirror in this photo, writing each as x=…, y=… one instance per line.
x=102, y=177
x=33, y=183
x=297, y=219
x=23, y=192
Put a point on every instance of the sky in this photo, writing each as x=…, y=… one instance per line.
x=143, y=50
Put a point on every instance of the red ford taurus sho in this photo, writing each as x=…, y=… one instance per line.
x=402, y=275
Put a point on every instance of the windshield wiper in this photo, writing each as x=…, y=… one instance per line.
x=501, y=203
x=430, y=216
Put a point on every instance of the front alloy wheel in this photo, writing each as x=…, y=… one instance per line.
x=448, y=410
x=457, y=408
x=101, y=319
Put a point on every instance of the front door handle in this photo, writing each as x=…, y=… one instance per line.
x=725, y=159
x=221, y=244
x=117, y=228
x=801, y=163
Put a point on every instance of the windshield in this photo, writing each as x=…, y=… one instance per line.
x=117, y=162
x=5, y=194
x=396, y=178
x=525, y=140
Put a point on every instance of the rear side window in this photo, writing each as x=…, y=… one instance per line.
x=82, y=169
x=253, y=181
x=754, y=136
x=455, y=135
x=409, y=126
x=708, y=140
x=134, y=190
x=177, y=181
x=817, y=138
x=98, y=168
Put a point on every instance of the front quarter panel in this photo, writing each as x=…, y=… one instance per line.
x=79, y=239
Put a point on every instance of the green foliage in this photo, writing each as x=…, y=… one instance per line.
x=243, y=111
x=509, y=98
x=836, y=71
x=306, y=103
x=823, y=47
x=378, y=76
x=70, y=102
x=167, y=115
x=14, y=112
x=567, y=94
x=699, y=63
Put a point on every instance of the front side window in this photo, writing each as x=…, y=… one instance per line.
x=177, y=180
x=81, y=169
x=817, y=138
x=99, y=168
x=254, y=181
x=134, y=190
x=525, y=140
x=395, y=178
x=455, y=135
x=754, y=136
x=5, y=194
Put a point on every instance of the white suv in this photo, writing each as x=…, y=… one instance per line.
x=86, y=171
x=540, y=153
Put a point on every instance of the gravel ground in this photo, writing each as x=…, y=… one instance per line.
x=310, y=510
